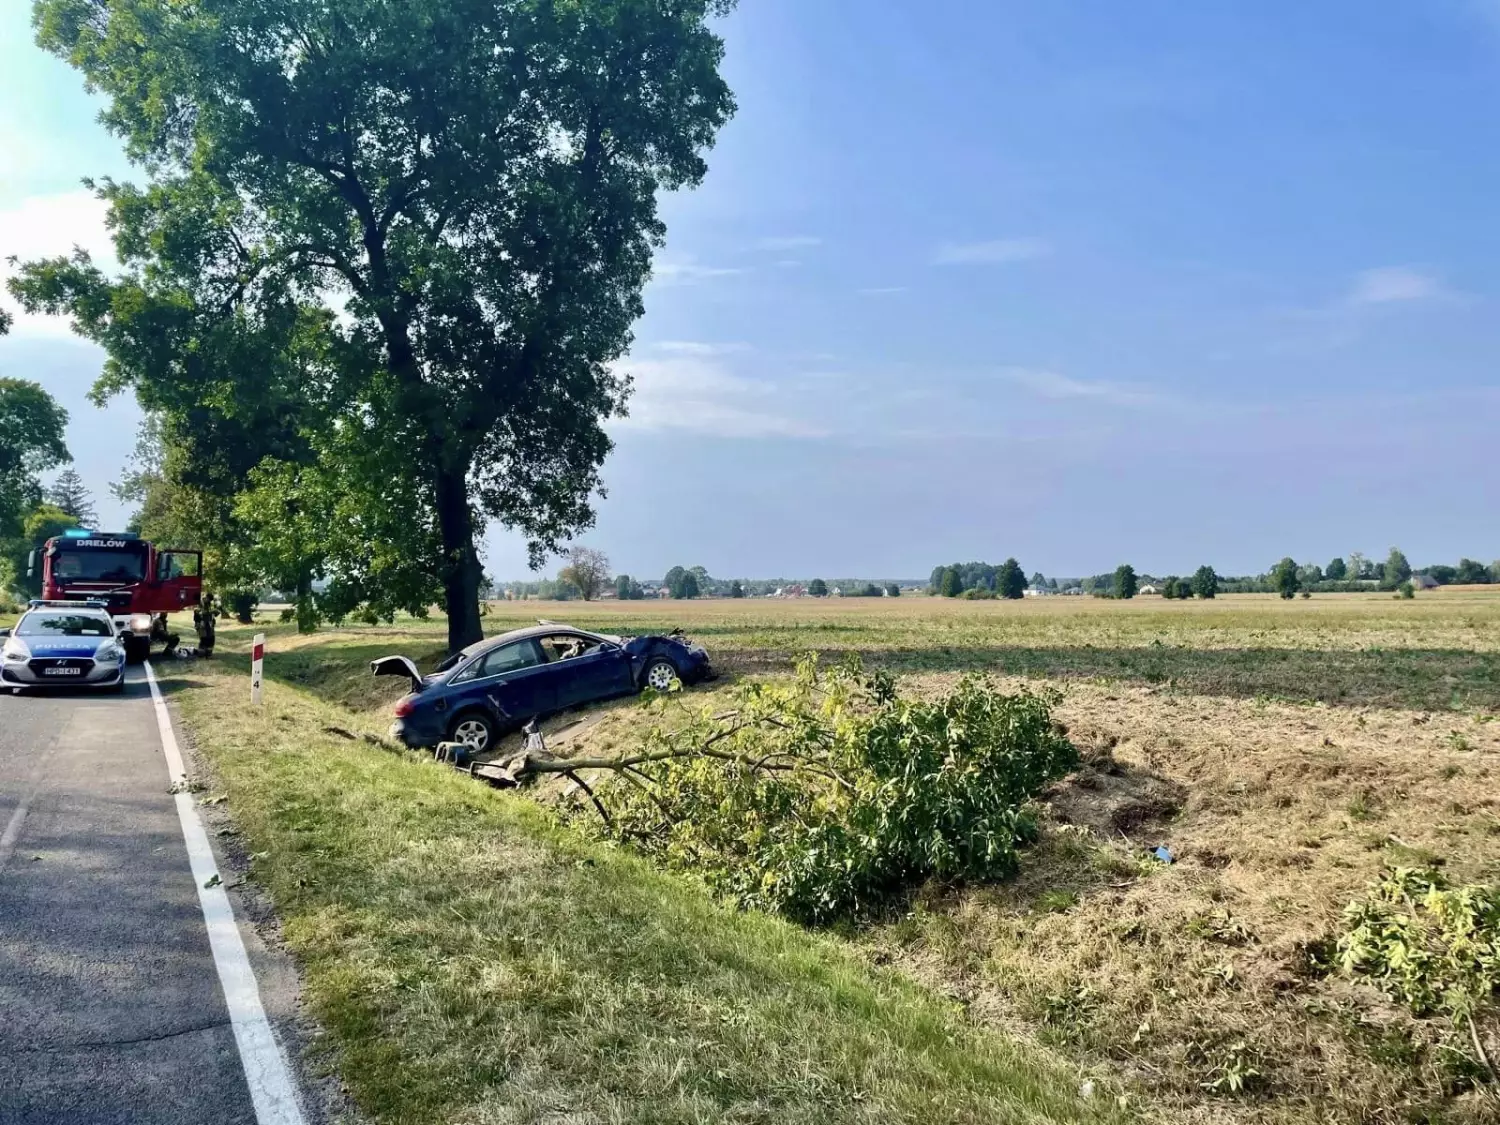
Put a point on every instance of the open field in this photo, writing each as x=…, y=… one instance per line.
x=1284, y=751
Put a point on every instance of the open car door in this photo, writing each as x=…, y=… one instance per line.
x=397, y=666
x=179, y=574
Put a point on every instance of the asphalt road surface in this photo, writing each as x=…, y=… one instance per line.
x=111, y=1008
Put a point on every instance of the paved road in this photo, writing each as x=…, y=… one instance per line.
x=110, y=1004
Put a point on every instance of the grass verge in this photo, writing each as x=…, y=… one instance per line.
x=472, y=962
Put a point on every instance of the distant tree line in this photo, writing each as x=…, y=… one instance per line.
x=586, y=575
x=979, y=580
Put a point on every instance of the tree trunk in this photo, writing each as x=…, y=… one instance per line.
x=307, y=611
x=460, y=559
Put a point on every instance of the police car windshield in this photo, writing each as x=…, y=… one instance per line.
x=104, y=565
x=53, y=624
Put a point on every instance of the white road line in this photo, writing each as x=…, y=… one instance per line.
x=12, y=831
x=271, y=1088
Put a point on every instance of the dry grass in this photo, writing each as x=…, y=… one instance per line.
x=1284, y=751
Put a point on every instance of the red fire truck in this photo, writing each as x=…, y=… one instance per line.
x=139, y=582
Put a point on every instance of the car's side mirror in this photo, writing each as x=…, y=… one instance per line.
x=4, y=633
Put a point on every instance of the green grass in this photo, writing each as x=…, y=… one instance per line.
x=1283, y=750
x=1438, y=652
x=471, y=961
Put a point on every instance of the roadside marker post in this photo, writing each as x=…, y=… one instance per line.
x=257, y=666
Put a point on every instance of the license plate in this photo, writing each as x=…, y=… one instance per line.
x=62, y=671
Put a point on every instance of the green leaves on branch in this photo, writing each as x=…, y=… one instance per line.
x=1435, y=948
x=823, y=797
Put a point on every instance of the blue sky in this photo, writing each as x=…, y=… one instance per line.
x=1081, y=283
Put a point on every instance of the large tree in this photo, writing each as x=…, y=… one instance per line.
x=1205, y=582
x=31, y=441
x=1011, y=580
x=1286, y=578
x=1397, y=570
x=1125, y=583
x=588, y=570
x=69, y=493
x=474, y=181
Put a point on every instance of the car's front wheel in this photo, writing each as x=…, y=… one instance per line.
x=660, y=674
x=475, y=730
x=137, y=649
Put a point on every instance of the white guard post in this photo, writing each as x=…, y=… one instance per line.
x=257, y=666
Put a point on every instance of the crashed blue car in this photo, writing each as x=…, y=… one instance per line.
x=496, y=686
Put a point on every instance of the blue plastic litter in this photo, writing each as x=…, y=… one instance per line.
x=1164, y=855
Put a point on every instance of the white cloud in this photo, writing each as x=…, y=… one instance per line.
x=788, y=263
x=882, y=291
x=1053, y=385
x=1389, y=284
x=695, y=394
x=699, y=347
x=44, y=227
x=789, y=242
x=996, y=252
x=688, y=272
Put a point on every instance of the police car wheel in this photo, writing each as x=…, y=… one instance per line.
x=137, y=649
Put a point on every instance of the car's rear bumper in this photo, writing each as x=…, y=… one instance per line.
x=415, y=735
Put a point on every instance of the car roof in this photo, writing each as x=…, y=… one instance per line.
x=527, y=633
x=80, y=610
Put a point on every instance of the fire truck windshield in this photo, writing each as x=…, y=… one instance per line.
x=71, y=565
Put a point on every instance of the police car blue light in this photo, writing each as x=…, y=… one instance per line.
x=60, y=644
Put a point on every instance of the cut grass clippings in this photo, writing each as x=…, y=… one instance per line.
x=473, y=962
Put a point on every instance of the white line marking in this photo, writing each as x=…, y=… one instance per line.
x=13, y=827
x=271, y=1088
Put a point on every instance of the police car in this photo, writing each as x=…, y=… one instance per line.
x=62, y=644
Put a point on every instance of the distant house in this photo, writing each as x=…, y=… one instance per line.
x=1424, y=582
x=1148, y=589
x=1037, y=592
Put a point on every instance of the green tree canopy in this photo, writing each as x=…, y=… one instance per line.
x=587, y=571
x=687, y=587
x=892, y=590
x=736, y=590
x=950, y=585
x=818, y=588
x=1397, y=570
x=32, y=427
x=1205, y=582
x=1336, y=571
x=485, y=207
x=1011, y=580
x=1285, y=578
x=1125, y=582
x=68, y=493
x=1469, y=572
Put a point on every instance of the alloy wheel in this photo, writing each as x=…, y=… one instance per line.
x=661, y=676
x=472, y=733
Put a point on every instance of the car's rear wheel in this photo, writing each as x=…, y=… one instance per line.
x=660, y=674
x=475, y=730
